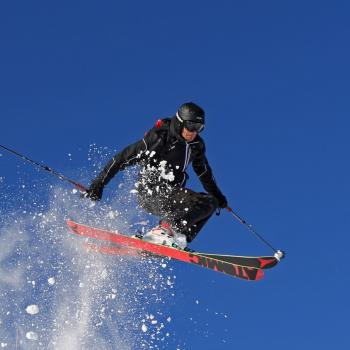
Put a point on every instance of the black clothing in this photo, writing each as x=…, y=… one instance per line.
x=186, y=211
x=164, y=156
x=94, y=192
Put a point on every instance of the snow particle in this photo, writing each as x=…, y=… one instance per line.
x=169, y=283
x=32, y=309
x=111, y=215
x=144, y=328
x=51, y=281
x=104, y=274
x=32, y=336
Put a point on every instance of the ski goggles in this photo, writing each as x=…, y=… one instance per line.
x=193, y=126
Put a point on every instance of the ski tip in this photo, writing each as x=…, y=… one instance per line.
x=267, y=262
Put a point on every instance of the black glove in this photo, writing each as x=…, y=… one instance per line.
x=221, y=200
x=94, y=192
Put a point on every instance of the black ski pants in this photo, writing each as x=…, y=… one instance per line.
x=185, y=210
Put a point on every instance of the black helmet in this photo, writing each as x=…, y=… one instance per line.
x=191, y=116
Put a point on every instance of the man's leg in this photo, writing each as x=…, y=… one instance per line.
x=188, y=211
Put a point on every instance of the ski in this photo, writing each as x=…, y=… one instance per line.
x=125, y=243
x=258, y=262
x=112, y=250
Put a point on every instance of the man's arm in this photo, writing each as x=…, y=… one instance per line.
x=130, y=155
x=203, y=170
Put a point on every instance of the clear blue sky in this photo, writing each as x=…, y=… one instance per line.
x=273, y=77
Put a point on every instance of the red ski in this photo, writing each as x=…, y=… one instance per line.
x=258, y=262
x=134, y=246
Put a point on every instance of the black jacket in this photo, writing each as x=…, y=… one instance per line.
x=164, y=156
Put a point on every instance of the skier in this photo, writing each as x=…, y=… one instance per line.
x=164, y=154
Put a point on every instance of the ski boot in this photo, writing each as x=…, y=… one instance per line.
x=165, y=235
x=159, y=235
x=179, y=240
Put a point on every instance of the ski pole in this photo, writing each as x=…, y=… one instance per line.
x=46, y=168
x=279, y=254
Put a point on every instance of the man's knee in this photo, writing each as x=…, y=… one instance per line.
x=211, y=203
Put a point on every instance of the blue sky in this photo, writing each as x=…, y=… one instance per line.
x=273, y=78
